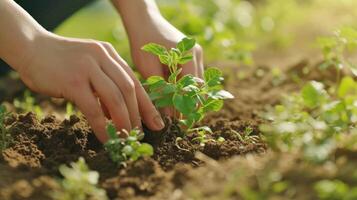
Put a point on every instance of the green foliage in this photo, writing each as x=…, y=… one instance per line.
x=334, y=190
x=27, y=104
x=123, y=149
x=191, y=96
x=335, y=48
x=79, y=183
x=314, y=121
x=5, y=137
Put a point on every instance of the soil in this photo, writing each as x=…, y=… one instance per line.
x=40, y=146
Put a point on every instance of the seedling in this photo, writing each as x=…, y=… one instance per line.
x=5, y=137
x=130, y=148
x=192, y=97
x=246, y=136
x=335, y=47
x=79, y=183
x=202, y=137
x=313, y=120
x=27, y=104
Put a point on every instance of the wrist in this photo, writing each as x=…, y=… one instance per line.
x=136, y=14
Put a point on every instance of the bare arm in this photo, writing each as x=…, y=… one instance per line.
x=81, y=71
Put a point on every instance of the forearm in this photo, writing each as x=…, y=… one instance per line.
x=137, y=13
x=18, y=33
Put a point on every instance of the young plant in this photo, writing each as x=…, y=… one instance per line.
x=192, y=97
x=5, y=137
x=315, y=122
x=123, y=149
x=334, y=49
x=79, y=183
x=27, y=104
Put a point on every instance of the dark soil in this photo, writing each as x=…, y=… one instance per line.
x=40, y=146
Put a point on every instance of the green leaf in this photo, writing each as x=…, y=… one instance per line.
x=184, y=103
x=186, y=44
x=164, y=59
x=186, y=80
x=155, y=49
x=213, y=76
x=212, y=105
x=168, y=89
x=112, y=131
x=313, y=93
x=347, y=86
x=145, y=149
x=221, y=94
x=164, y=102
x=154, y=79
x=185, y=59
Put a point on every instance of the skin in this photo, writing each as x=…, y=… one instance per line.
x=91, y=73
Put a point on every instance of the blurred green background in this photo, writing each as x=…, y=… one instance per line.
x=235, y=31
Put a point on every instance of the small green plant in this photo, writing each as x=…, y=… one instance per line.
x=314, y=121
x=335, y=48
x=27, y=104
x=246, y=135
x=5, y=137
x=130, y=148
x=79, y=183
x=192, y=97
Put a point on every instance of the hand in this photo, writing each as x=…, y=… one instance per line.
x=145, y=24
x=83, y=71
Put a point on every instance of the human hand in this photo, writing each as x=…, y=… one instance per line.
x=144, y=24
x=84, y=71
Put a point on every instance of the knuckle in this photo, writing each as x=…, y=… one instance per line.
x=106, y=44
x=128, y=86
x=197, y=48
x=96, y=46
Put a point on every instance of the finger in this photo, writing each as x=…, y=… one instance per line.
x=112, y=98
x=153, y=67
x=199, y=60
x=126, y=85
x=89, y=106
x=148, y=112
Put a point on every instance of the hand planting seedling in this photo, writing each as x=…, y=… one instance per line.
x=192, y=97
x=130, y=148
x=5, y=137
x=79, y=183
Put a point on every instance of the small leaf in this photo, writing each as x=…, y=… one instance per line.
x=154, y=79
x=163, y=102
x=184, y=103
x=221, y=94
x=347, y=86
x=313, y=93
x=186, y=44
x=185, y=59
x=112, y=131
x=212, y=105
x=145, y=149
x=186, y=80
x=155, y=49
x=164, y=59
x=213, y=77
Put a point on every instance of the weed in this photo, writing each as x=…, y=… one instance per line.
x=123, y=149
x=192, y=97
x=5, y=137
x=79, y=183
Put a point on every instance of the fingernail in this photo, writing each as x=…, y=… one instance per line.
x=158, y=122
